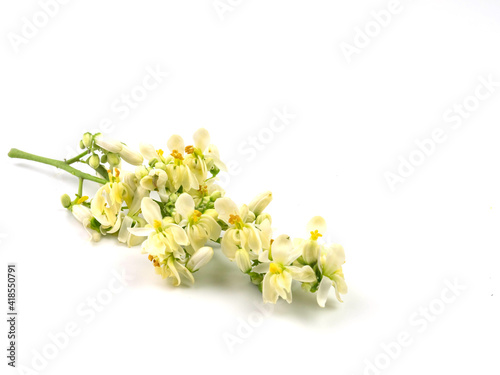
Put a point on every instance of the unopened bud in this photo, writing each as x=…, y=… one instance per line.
x=82, y=146
x=215, y=195
x=108, y=144
x=113, y=159
x=94, y=161
x=211, y=212
x=260, y=202
x=65, y=200
x=87, y=140
x=200, y=258
x=131, y=156
x=250, y=217
x=260, y=219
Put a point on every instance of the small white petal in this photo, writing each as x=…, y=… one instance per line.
x=225, y=207
x=317, y=223
x=176, y=143
x=150, y=210
x=323, y=290
x=201, y=139
x=281, y=249
x=185, y=205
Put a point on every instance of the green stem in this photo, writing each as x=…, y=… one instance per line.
x=77, y=157
x=18, y=154
x=80, y=187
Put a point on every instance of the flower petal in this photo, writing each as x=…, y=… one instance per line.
x=176, y=143
x=317, y=223
x=150, y=210
x=323, y=290
x=225, y=207
x=303, y=274
x=201, y=139
x=185, y=205
x=281, y=248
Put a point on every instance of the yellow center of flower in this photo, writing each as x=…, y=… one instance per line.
x=315, y=235
x=189, y=149
x=195, y=217
x=159, y=152
x=203, y=189
x=275, y=268
x=236, y=221
x=177, y=155
x=82, y=199
x=115, y=177
x=157, y=224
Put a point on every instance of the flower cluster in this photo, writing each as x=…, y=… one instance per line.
x=172, y=206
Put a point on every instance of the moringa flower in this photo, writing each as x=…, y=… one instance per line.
x=164, y=237
x=310, y=248
x=199, y=227
x=280, y=273
x=242, y=241
x=330, y=264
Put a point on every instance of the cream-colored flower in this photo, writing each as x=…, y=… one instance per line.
x=179, y=174
x=280, y=273
x=310, y=248
x=156, y=179
x=172, y=268
x=164, y=237
x=84, y=215
x=242, y=241
x=199, y=227
x=330, y=264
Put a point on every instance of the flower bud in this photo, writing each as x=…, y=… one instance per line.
x=260, y=202
x=243, y=260
x=211, y=212
x=250, y=217
x=173, y=197
x=65, y=200
x=141, y=172
x=108, y=144
x=113, y=159
x=215, y=195
x=94, y=161
x=260, y=219
x=310, y=251
x=82, y=146
x=87, y=140
x=130, y=156
x=104, y=158
x=200, y=258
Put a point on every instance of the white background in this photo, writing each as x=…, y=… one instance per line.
x=352, y=122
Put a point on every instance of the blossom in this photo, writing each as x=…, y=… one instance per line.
x=330, y=264
x=310, y=248
x=242, y=240
x=84, y=216
x=164, y=237
x=179, y=174
x=156, y=179
x=199, y=227
x=280, y=273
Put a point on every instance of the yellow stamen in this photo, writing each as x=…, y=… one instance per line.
x=233, y=219
x=159, y=152
x=82, y=199
x=150, y=257
x=275, y=268
x=315, y=235
x=177, y=155
x=189, y=149
x=157, y=224
x=203, y=189
x=196, y=216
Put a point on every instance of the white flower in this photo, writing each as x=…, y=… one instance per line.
x=124, y=235
x=130, y=156
x=199, y=227
x=241, y=241
x=108, y=144
x=179, y=174
x=171, y=267
x=84, y=215
x=260, y=202
x=330, y=264
x=156, y=180
x=164, y=237
x=279, y=272
x=200, y=258
x=310, y=248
